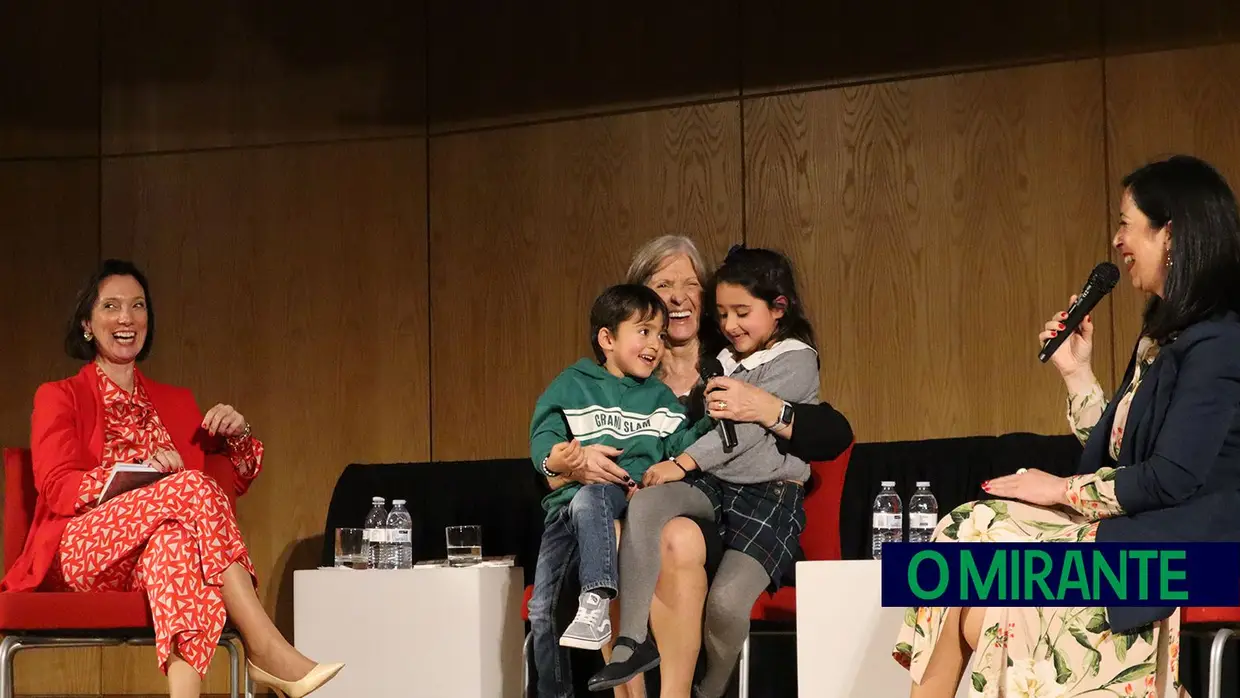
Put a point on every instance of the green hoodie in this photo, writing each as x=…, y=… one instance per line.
x=643, y=418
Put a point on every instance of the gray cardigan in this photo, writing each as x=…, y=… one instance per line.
x=788, y=370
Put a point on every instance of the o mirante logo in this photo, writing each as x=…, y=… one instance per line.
x=1061, y=574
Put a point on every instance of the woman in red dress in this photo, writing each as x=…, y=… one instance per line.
x=176, y=539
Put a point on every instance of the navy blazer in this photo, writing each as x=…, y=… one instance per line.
x=1180, y=480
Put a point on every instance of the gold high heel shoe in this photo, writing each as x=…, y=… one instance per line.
x=312, y=681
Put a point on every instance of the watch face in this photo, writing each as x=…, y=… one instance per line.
x=785, y=417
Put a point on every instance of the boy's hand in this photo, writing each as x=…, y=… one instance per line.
x=566, y=457
x=661, y=473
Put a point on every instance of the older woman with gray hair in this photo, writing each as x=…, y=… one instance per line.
x=674, y=268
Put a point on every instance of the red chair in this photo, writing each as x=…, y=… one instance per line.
x=529, y=638
x=1221, y=623
x=819, y=541
x=40, y=619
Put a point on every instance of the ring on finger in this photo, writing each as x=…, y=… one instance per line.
x=1021, y=471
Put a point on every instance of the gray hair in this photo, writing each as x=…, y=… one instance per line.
x=653, y=254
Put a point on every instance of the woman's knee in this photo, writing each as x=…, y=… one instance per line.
x=963, y=512
x=195, y=477
x=196, y=481
x=946, y=520
x=681, y=544
x=962, y=509
x=192, y=488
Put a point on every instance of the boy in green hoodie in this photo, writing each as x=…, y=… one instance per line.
x=613, y=401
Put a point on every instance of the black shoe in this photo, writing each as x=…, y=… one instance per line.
x=644, y=658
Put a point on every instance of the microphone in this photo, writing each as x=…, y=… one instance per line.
x=727, y=430
x=1101, y=280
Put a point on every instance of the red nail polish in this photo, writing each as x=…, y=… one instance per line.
x=1054, y=333
x=1061, y=325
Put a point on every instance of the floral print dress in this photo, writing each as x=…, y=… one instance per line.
x=1054, y=652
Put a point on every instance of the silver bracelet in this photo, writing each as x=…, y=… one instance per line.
x=239, y=438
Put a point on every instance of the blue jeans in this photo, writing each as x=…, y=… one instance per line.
x=582, y=536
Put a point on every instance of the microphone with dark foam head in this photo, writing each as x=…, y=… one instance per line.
x=1101, y=280
x=727, y=430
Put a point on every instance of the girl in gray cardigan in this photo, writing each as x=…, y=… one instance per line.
x=754, y=491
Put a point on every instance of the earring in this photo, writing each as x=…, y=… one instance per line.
x=87, y=335
x=1169, y=262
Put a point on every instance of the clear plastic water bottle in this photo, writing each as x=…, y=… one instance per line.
x=400, y=536
x=923, y=514
x=374, y=533
x=888, y=519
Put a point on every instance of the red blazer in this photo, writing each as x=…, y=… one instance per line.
x=66, y=441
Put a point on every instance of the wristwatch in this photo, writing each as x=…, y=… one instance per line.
x=785, y=417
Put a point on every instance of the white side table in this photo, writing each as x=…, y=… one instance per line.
x=425, y=632
x=845, y=636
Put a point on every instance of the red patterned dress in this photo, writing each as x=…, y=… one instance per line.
x=172, y=539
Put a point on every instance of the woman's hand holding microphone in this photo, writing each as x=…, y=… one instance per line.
x=1072, y=358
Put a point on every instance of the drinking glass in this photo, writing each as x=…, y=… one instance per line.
x=464, y=545
x=350, y=549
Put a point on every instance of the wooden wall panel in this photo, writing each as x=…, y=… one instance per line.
x=496, y=62
x=134, y=671
x=1150, y=25
x=49, y=215
x=1160, y=104
x=49, y=221
x=803, y=43
x=529, y=224
x=290, y=282
x=935, y=224
x=241, y=73
x=49, y=84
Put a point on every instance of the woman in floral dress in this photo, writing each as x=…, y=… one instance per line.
x=1161, y=462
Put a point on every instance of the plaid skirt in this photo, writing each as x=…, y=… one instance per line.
x=762, y=520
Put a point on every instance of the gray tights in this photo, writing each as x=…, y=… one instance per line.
x=735, y=588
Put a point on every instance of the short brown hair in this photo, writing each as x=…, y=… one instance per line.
x=76, y=344
x=619, y=304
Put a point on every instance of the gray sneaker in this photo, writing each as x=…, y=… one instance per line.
x=591, y=629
